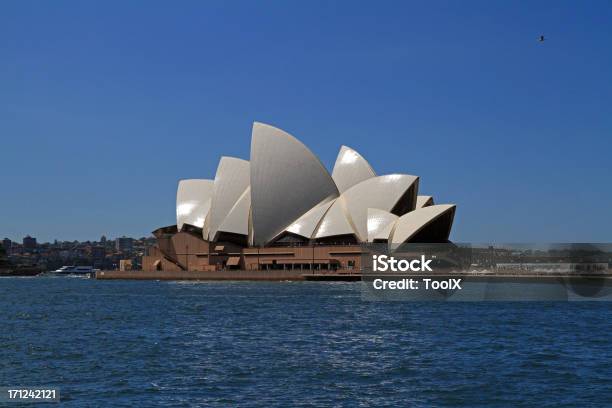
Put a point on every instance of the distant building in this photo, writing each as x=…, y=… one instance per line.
x=29, y=242
x=98, y=252
x=103, y=239
x=124, y=244
x=125, y=265
x=7, y=244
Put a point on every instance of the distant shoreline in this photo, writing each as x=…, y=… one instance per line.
x=283, y=275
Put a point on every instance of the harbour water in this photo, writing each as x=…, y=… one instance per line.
x=145, y=343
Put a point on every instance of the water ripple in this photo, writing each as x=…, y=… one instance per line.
x=296, y=344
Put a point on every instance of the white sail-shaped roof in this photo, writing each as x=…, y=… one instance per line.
x=193, y=199
x=335, y=221
x=350, y=169
x=237, y=220
x=287, y=180
x=393, y=192
x=424, y=201
x=408, y=225
x=380, y=224
x=231, y=181
x=306, y=225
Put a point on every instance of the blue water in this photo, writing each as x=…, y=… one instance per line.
x=125, y=343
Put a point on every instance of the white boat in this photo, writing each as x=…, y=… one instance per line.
x=74, y=270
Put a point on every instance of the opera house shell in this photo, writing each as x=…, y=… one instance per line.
x=283, y=209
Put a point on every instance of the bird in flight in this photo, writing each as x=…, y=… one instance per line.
x=542, y=38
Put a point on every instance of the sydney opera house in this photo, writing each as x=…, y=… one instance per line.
x=283, y=210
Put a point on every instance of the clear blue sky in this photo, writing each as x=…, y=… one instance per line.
x=105, y=105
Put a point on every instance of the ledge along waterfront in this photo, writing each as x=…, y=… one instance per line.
x=296, y=275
